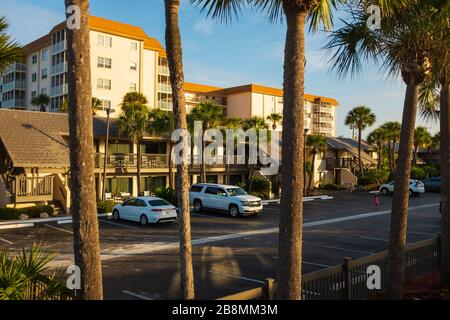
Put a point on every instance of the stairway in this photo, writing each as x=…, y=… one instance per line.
x=58, y=208
x=5, y=195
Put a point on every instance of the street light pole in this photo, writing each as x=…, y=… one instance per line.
x=108, y=111
x=304, y=160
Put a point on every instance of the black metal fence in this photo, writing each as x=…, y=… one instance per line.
x=348, y=281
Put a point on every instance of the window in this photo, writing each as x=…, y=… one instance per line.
x=133, y=66
x=33, y=95
x=140, y=203
x=134, y=45
x=159, y=203
x=196, y=189
x=133, y=86
x=44, y=91
x=211, y=190
x=104, y=84
x=44, y=73
x=104, y=62
x=34, y=59
x=45, y=55
x=33, y=77
x=104, y=41
x=105, y=105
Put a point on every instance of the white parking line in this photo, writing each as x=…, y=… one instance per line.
x=349, y=250
x=16, y=226
x=375, y=239
x=136, y=295
x=119, y=225
x=422, y=234
x=316, y=264
x=236, y=277
x=8, y=242
x=59, y=229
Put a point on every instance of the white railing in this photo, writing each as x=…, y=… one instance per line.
x=59, y=68
x=60, y=46
x=164, y=88
x=163, y=70
x=59, y=90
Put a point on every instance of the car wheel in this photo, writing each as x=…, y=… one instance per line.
x=144, y=220
x=116, y=215
x=385, y=191
x=198, y=207
x=234, y=211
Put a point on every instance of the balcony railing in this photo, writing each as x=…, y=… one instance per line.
x=163, y=70
x=14, y=103
x=18, y=84
x=164, y=88
x=59, y=46
x=339, y=163
x=31, y=189
x=129, y=160
x=59, y=68
x=59, y=90
x=165, y=105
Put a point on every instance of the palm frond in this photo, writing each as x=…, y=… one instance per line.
x=429, y=101
x=221, y=10
x=10, y=50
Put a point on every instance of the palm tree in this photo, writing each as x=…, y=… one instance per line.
x=84, y=206
x=422, y=139
x=318, y=143
x=95, y=105
x=162, y=123
x=275, y=118
x=212, y=116
x=377, y=138
x=41, y=101
x=254, y=123
x=175, y=59
x=232, y=124
x=133, y=121
x=360, y=118
x=134, y=97
x=10, y=51
x=392, y=130
x=402, y=45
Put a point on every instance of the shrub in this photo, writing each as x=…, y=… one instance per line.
x=418, y=173
x=261, y=187
x=330, y=186
x=168, y=194
x=105, y=206
x=431, y=171
x=32, y=212
x=374, y=177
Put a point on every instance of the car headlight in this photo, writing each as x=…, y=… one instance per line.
x=244, y=203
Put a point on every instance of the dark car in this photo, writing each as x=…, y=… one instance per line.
x=433, y=184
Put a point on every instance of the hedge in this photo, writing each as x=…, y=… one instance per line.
x=32, y=212
x=105, y=206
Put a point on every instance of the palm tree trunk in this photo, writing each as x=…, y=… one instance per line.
x=390, y=158
x=415, y=155
x=445, y=169
x=84, y=206
x=399, y=215
x=138, y=166
x=394, y=161
x=171, y=180
x=311, y=177
x=359, y=151
x=175, y=59
x=380, y=156
x=291, y=216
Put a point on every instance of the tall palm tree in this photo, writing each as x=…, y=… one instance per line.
x=232, y=124
x=134, y=97
x=162, y=123
x=10, y=51
x=360, y=118
x=84, y=206
x=402, y=45
x=133, y=121
x=254, y=123
x=275, y=118
x=175, y=59
x=212, y=116
x=378, y=138
x=422, y=139
x=95, y=105
x=392, y=130
x=41, y=101
x=317, y=143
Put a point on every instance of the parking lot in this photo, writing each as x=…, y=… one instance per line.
x=232, y=254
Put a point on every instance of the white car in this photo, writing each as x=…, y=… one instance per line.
x=231, y=199
x=416, y=187
x=145, y=210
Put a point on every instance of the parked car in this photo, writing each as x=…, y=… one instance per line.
x=231, y=199
x=433, y=184
x=416, y=187
x=145, y=210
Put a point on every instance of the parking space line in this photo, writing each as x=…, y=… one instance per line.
x=136, y=295
x=349, y=250
x=59, y=229
x=119, y=225
x=16, y=226
x=4, y=240
x=235, y=276
x=316, y=264
x=422, y=234
x=375, y=239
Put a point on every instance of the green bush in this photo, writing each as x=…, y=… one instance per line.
x=418, y=173
x=374, y=177
x=260, y=188
x=32, y=212
x=167, y=194
x=330, y=187
x=105, y=206
x=431, y=171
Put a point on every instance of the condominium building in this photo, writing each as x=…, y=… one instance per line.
x=123, y=59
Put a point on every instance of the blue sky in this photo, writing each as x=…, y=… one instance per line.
x=249, y=50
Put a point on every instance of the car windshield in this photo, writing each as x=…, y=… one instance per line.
x=236, y=192
x=159, y=203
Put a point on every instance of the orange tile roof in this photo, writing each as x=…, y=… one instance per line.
x=195, y=87
x=275, y=92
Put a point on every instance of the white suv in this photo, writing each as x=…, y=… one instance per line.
x=224, y=198
x=416, y=187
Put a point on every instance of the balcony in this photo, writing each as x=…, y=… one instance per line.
x=59, y=90
x=165, y=105
x=59, y=46
x=17, y=85
x=59, y=68
x=29, y=189
x=123, y=160
x=163, y=70
x=340, y=163
x=14, y=103
x=16, y=67
x=166, y=88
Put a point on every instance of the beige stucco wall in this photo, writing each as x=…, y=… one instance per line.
x=239, y=105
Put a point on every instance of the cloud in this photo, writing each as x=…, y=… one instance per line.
x=204, y=27
x=28, y=22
